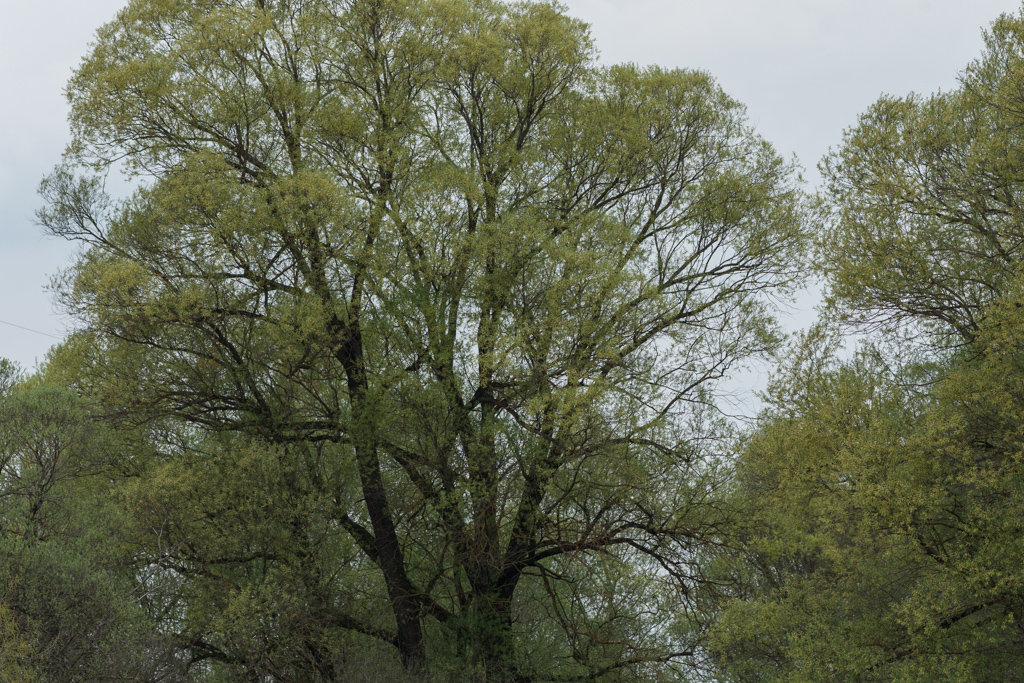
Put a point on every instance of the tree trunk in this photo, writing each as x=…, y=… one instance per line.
x=403, y=596
x=485, y=636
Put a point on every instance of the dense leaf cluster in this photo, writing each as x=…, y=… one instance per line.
x=886, y=491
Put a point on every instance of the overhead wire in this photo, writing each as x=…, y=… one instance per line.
x=29, y=329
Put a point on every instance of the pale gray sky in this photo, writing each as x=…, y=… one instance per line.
x=804, y=68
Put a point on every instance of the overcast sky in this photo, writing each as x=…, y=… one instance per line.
x=804, y=68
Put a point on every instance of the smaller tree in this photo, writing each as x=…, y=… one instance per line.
x=68, y=612
x=922, y=202
x=46, y=444
x=885, y=539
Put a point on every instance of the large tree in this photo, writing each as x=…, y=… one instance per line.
x=460, y=293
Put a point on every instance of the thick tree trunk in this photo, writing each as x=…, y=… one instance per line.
x=405, y=601
x=403, y=597
x=486, y=637
x=401, y=593
x=496, y=649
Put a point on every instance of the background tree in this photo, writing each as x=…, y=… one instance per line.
x=922, y=200
x=885, y=490
x=69, y=611
x=449, y=295
x=886, y=523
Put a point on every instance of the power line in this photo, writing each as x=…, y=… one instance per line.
x=29, y=329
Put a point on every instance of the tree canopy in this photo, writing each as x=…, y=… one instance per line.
x=412, y=328
x=884, y=490
x=922, y=200
x=399, y=362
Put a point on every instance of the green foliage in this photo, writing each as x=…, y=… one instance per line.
x=69, y=612
x=413, y=305
x=15, y=649
x=79, y=620
x=45, y=444
x=10, y=374
x=886, y=539
x=922, y=200
x=885, y=492
x=245, y=565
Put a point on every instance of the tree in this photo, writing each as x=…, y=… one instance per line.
x=465, y=291
x=922, y=200
x=884, y=491
x=68, y=611
x=884, y=539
